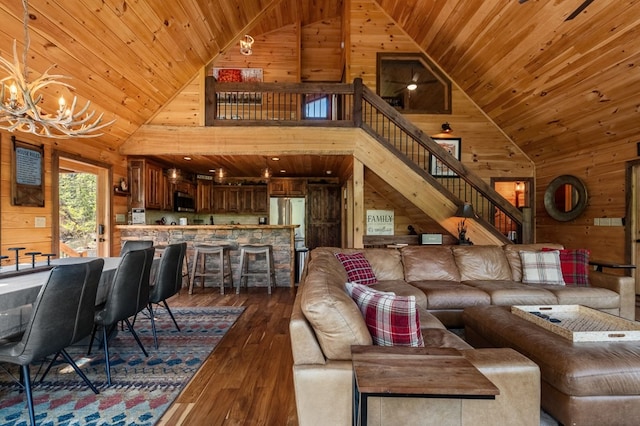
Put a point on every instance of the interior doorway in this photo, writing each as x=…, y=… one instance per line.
x=82, y=201
x=519, y=192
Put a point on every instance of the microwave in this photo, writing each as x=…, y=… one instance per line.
x=183, y=202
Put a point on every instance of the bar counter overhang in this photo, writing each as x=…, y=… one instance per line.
x=281, y=237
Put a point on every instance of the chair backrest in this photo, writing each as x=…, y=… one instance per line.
x=64, y=310
x=129, y=292
x=169, y=276
x=135, y=245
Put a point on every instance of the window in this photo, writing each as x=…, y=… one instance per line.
x=431, y=90
x=317, y=107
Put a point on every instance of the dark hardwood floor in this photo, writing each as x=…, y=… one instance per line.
x=248, y=379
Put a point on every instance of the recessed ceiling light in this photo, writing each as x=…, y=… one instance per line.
x=187, y=158
x=328, y=172
x=283, y=171
x=212, y=170
x=275, y=158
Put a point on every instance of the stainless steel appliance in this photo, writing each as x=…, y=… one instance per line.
x=291, y=211
x=183, y=202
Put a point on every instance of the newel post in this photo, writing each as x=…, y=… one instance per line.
x=357, y=102
x=210, y=104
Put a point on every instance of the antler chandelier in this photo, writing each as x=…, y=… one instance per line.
x=20, y=110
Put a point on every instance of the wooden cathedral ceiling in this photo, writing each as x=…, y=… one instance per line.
x=553, y=86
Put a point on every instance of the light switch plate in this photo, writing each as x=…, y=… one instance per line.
x=40, y=222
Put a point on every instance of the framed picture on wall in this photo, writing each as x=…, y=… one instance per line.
x=27, y=174
x=436, y=167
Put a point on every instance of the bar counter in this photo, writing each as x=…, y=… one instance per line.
x=281, y=237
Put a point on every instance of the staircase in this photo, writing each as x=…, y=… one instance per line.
x=390, y=145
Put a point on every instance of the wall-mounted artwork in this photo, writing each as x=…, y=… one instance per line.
x=238, y=75
x=437, y=167
x=27, y=174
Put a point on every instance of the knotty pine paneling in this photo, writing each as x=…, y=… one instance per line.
x=277, y=53
x=485, y=149
x=18, y=222
x=321, y=54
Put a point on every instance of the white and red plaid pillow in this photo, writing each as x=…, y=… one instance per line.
x=392, y=320
x=575, y=266
x=358, y=268
x=541, y=267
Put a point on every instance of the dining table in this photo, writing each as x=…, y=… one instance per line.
x=18, y=292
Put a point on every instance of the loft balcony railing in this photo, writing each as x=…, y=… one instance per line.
x=355, y=105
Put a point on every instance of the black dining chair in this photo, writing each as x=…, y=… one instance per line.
x=168, y=282
x=62, y=315
x=134, y=245
x=128, y=295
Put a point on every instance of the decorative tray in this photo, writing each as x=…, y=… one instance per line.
x=579, y=323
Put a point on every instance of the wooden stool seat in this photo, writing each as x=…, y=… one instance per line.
x=245, y=271
x=223, y=269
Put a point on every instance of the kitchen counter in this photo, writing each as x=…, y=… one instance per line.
x=281, y=237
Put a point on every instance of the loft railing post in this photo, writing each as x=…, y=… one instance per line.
x=210, y=104
x=357, y=102
x=527, y=225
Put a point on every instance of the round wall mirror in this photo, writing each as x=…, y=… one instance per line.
x=565, y=198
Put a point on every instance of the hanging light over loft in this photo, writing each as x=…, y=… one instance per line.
x=20, y=99
x=245, y=45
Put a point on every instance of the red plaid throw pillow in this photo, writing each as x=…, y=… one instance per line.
x=392, y=320
x=358, y=268
x=575, y=266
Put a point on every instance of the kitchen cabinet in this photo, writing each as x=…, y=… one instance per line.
x=147, y=185
x=324, y=216
x=240, y=199
x=204, y=197
x=286, y=187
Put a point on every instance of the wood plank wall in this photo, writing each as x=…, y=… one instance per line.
x=17, y=227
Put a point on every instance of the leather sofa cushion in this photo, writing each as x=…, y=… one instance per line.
x=385, y=262
x=507, y=293
x=450, y=295
x=423, y=263
x=442, y=338
x=577, y=369
x=401, y=288
x=482, y=263
x=592, y=297
x=334, y=316
x=512, y=251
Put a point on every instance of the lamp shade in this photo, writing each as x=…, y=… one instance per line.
x=466, y=211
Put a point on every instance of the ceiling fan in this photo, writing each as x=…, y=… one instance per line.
x=412, y=84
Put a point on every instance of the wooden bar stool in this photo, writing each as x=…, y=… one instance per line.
x=269, y=273
x=222, y=271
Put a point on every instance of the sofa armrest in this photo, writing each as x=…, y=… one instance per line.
x=304, y=345
x=624, y=286
x=324, y=393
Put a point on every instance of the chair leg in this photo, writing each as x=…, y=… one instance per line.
x=135, y=336
x=55, y=357
x=153, y=325
x=93, y=336
x=105, y=343
x=171, y=314
x=80, y=373
x=24, y=369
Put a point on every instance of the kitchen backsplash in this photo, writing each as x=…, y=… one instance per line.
x=151, y=216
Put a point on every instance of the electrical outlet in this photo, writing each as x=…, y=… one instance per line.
x=40, y=222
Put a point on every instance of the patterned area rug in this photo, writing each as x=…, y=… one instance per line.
x=142, y=388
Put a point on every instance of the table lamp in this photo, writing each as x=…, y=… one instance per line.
x=465, y=211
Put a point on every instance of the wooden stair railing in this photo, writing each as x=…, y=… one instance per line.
x=355, y=105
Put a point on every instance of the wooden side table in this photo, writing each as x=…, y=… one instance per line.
x=398, y=372
x=600, y=264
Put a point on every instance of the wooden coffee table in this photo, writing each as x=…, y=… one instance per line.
x=414, y=372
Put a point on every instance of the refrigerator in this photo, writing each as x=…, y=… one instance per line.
x=289, y=211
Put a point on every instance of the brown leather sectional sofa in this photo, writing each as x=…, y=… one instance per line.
x=325, y=323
